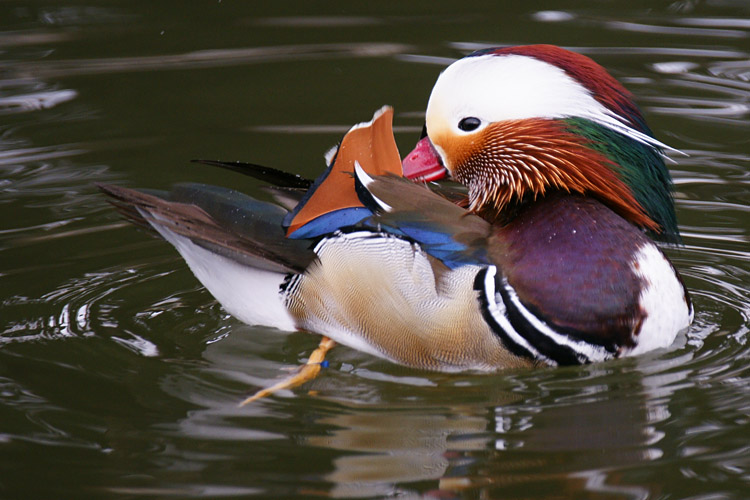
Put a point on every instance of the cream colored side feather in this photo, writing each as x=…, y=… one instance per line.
x=385, y=296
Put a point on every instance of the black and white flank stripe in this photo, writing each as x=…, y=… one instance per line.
x=523, y=332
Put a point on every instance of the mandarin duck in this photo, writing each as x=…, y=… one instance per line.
x=545, y=257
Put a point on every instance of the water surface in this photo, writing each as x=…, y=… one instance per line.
x=120, y=375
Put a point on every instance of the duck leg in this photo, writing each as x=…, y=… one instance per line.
x=305, y=373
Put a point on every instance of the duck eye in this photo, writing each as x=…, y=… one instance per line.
x=469, y=124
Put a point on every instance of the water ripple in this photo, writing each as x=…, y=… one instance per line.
x=675, y=30
x=711, y=53
x=205, y=59
x=93, y=305
x=23, y=103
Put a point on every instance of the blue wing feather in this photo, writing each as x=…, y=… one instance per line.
x=440, y=242
x=444, y=230
x=331, y=222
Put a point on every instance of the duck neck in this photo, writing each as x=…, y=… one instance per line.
x=516, y=208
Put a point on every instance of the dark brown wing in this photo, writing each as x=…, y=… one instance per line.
x=222, y=220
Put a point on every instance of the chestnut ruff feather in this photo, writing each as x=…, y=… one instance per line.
x=522, y=158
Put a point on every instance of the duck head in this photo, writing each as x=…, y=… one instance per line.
x=515, y=123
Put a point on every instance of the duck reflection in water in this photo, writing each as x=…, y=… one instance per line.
x=499, y=442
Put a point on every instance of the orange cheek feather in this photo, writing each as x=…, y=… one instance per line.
x=457, y=149
x=507, y=160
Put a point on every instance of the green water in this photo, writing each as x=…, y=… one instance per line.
x=120, y=375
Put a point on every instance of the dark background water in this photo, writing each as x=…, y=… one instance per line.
x=120, y=376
